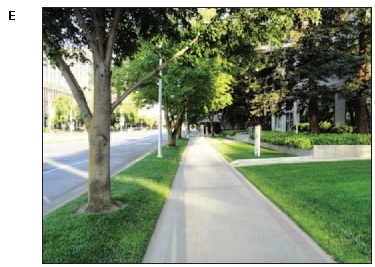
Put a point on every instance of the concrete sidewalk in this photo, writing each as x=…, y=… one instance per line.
x=214, y=215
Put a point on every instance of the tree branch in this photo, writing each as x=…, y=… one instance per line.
x=151, y=74
x=112, y=36
x=95, y=12
x=78, y=94
x=90, y=39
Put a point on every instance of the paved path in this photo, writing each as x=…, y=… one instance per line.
x=214, y=215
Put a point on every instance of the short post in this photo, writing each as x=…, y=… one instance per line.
x=122, y=121
x=257, y=140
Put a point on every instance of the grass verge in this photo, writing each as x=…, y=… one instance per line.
x=118, y=237
x=233, y=150
x=330, y=201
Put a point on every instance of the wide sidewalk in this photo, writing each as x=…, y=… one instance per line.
x=214, y=215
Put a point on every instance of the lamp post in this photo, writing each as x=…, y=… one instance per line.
x=160, y=113
x=71, y=124
x=122, y=120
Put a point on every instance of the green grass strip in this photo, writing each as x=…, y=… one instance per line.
x=232, y=150
x=118, y=237
x=331, y=201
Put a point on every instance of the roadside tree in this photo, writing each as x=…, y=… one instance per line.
x=112, y=35
x=62, y=105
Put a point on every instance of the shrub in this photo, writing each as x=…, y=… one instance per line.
x=324, y=126
x=299, y=142
x=231, y=132
x=307, y=141
x=304, y=127
x=342, y=129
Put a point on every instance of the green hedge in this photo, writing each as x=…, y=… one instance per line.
x=307, y=141
x=231, y=132
x=325, y=127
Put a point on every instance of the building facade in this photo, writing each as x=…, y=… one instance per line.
x=54, y=84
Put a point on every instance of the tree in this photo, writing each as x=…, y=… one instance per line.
x=255, y=27
x=112, y=35
x=356, y=35
x=220, y=88
x=192, y=83
x=62, y=105
x=323, y=52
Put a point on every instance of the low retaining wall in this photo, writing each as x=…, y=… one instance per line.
x=319, y=151
x=342, y=151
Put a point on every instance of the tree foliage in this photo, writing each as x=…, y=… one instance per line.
x=62, y=105
x=327, y=51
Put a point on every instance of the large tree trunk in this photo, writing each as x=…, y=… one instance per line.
x=362, y=125
x=314, y=109
x=168, y=123
x=314, y=115
x=179, y=132
x=212, y=128
x=99, y=191
x=172, y=134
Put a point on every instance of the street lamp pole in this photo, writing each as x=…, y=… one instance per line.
x=71, y=119
x=160, y=113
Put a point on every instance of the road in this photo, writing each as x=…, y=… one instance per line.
x=65, y=164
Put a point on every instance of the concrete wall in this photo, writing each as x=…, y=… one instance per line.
x=319, y=151
x=342, y=151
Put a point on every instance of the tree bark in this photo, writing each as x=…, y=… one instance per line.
x=179, y=132
x=314, y=115
x=99, y=191
x=362, y=125
x=314, y=109
x=172, y=134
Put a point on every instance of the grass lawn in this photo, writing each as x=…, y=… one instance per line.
x=118, y=237
x=331, y=201
x=232, y=150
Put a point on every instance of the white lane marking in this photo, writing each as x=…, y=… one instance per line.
x=68, y=168
x=46, y=199
x=143, y=144
x=59, y=166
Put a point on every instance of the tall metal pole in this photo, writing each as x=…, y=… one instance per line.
x=160, y=113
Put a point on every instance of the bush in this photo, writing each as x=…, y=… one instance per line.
x=299, y=142
x=342, y=129
x=302, y=127
x=324, y=126
x=307, y=141
x=231, y=132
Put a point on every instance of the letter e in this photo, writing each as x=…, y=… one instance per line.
x=11, y=14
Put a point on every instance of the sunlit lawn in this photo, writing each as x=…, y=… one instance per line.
x=118, y=237
x=331, y=201
x=233, y=150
